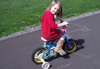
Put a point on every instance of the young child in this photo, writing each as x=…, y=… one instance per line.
x=49, y=29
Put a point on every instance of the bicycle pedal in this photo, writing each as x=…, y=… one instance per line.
x=55, y=54
x=46, y=57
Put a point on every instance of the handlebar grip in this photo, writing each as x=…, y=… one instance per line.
x=66, y=25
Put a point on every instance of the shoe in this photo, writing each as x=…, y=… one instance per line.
x=58, y=48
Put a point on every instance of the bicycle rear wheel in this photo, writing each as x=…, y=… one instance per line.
x=35, y=54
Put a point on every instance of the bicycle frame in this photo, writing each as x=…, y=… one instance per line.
x=54, y=45
x=49, y=46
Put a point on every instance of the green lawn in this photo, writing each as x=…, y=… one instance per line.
x=16, y=15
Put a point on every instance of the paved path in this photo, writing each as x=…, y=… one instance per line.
x=15, y=53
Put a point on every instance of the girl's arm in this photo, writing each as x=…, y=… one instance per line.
x=62, y=24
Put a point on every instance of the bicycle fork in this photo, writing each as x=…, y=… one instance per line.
x=68, y=42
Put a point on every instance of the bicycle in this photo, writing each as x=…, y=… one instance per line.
x=41, y=54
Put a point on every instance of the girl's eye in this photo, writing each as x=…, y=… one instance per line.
x=56, y=9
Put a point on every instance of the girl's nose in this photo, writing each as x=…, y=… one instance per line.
x=55, y=10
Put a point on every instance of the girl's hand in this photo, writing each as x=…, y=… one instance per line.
x=55, y=16
x=65, y=23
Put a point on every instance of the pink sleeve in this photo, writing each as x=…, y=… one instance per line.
x=51, y=21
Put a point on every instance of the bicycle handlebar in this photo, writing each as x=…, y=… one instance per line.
x=61, y=21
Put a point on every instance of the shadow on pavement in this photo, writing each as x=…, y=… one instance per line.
x=79, y=44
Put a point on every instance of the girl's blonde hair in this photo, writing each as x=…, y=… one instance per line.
x=52, y=4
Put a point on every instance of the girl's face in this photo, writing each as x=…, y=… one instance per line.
x=55, y=9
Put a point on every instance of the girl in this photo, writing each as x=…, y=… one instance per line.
x=49, y=29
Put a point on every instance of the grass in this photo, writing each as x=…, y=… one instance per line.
x=17, y=15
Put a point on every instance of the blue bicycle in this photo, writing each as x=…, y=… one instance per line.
x=41, y=54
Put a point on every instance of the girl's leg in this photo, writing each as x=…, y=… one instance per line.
x=60, y=44
x=63, y=36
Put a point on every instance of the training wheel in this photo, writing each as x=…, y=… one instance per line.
x=45, y=65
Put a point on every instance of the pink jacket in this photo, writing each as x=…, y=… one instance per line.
x=49, y=27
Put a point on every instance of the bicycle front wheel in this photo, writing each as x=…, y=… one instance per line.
x=71, y=47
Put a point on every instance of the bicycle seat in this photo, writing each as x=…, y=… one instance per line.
x=50, y=41
x=44, y=39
